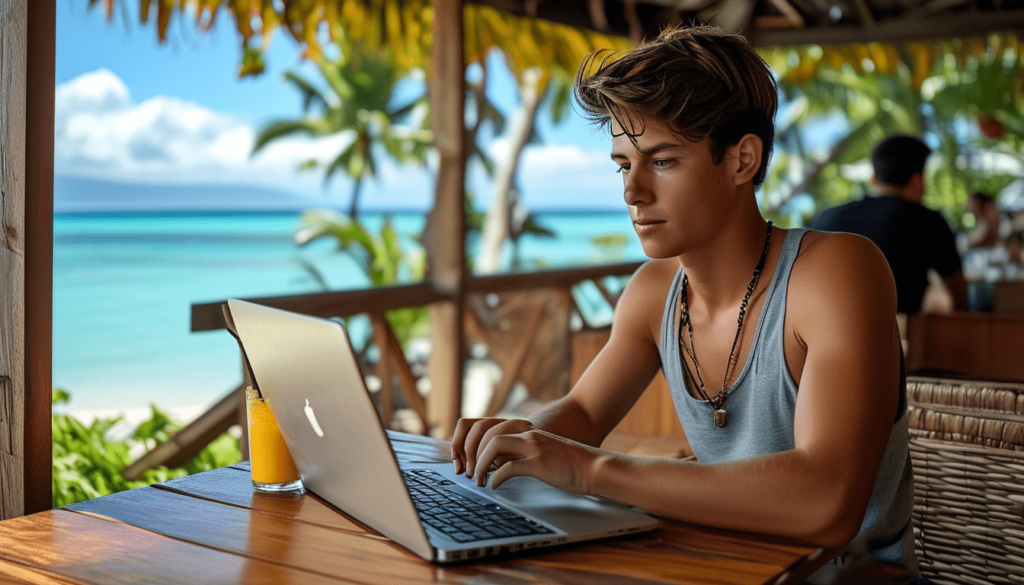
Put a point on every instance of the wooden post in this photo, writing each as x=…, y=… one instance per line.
x=27, y=47
x=444, y=237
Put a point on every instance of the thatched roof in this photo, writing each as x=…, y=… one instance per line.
x=784, y=22
x=554, y=35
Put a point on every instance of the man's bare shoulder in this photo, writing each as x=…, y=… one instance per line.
x=650, y=282
x=838, y=272
x=643, y=300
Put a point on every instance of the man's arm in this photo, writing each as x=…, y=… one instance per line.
x=843, y=303
x=608, y=387
x=957, y=286
x=946, y=259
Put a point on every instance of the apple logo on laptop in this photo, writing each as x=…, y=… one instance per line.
x=312, y=419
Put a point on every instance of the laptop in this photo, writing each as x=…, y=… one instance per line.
x=305, y=368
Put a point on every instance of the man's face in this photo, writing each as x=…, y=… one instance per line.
x=677, y=196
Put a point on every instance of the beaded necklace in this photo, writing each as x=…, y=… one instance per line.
x=718, y=400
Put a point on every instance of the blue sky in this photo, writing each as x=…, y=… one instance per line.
x=130, y=109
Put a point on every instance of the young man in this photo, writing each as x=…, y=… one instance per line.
x=913, y=238
x=780, y=346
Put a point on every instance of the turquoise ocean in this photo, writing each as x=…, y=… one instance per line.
x=123, y=283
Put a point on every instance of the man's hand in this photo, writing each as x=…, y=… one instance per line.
x=473, y=434
x=557, y=461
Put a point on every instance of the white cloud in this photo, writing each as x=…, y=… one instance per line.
x=101, y=132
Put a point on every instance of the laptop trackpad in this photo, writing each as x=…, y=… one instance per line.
x=571, y=513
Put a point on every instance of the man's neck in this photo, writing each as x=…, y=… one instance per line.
x=884, y=190
x=888, y=191
x=720, y=269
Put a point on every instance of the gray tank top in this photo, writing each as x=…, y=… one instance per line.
x=761, y=404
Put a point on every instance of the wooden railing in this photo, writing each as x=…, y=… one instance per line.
x=523, y=319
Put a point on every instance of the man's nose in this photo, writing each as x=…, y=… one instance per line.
x=636, y=188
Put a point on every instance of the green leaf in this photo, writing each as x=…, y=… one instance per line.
x=283, y=128
x=561, y=99
x=311, y=94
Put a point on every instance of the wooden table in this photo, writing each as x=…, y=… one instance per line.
x=212, y=528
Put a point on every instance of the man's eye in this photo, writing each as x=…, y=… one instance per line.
x=662, y=163
x=622, y=168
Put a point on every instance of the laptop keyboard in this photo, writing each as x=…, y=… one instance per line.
x=460, y=518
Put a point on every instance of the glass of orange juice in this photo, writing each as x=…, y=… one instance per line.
x=273, y=470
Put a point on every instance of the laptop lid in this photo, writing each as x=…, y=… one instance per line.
x=306, y=369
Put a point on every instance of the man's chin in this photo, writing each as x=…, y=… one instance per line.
x=658, y=252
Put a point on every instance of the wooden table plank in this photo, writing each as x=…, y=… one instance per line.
x=261, y=535
x=17, y=574
x=677, y=553
x=83, y=549
x=234, y=487
x=212, y=528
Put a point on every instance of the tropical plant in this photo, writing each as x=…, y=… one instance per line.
x=937, y=89
x=402, y=26
x=381, y=258
x=87, y=463
x=357, y=102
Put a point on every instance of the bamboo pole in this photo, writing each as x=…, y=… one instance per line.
x=444, y=238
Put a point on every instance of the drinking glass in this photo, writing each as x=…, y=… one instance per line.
x=273, y=470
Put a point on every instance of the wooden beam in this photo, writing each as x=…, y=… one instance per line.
x=386, y=392
x=598, y=19
x=866, y=18
x=509, y=376
x=734, y=16
x=636, y=27
x=189, y=441
x=13, y=65
x=792, y=14
x=558, y=278
x=407, y=380
x=961, y=25
x=444, y=237
x=344, y=303
x=580, y=15
x=27, y=32
x=609, y=298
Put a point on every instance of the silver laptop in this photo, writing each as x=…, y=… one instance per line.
x=306, y=369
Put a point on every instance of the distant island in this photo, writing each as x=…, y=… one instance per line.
x=79, y=194
x=73, y=194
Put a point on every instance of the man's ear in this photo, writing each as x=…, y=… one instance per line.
x=748, y=152
x=914, y=189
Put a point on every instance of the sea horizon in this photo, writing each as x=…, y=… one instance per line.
x=125, y=280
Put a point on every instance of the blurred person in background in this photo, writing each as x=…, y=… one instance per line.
x=913, y=238
x=987, y=220
x=1015, y=251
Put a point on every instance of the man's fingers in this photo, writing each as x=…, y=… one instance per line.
x=503, y=428
x=458, y=443
x=509, y=470
x=504, y=448
x=473, y=439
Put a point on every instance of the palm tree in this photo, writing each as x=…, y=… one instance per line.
x=361, y=88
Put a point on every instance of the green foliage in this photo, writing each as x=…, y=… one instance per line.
x=610, y=246
x=356, y=100
x=944, y=88
x=86, y=464
x=380, y=256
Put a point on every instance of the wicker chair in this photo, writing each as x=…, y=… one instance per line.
x=967, y=445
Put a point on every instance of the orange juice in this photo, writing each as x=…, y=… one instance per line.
x=268, y=454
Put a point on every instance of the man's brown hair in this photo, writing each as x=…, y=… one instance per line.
x=702, y=82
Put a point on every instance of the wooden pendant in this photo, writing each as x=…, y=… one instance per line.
x=720, y=418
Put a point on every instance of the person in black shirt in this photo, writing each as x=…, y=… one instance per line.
x=912, y=237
